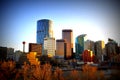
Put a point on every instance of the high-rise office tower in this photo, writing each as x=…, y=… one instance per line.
x=100, y=49
x=60, y=48
x=49, y=46
x=90, y=45
x=111, y=48
x=80, y=44
x=44, y=29
x=67, y=35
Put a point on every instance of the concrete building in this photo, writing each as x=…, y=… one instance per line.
x=33, y=47
x=100, y=50
x=44, y=29
x=60, y=48
x=49, y=46
x=111, y=48
x=90, y=45
x=67, y=35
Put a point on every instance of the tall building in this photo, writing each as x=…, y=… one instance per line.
x=49, y=46
x=90, y=45
x=33, y=47
x=80, y=44
x=67, y=35
x=111, y=48
x=60, y=48
x=100, y=49
x=44, y=29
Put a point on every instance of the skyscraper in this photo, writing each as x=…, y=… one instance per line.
x=49, y=46
x=100, y=49
x=60, y=48
x=67, y=35
x=80, y=44
x=44, y=29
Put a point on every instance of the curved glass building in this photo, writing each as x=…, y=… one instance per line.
x=44, y=29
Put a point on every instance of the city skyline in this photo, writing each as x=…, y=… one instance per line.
x=18, y=20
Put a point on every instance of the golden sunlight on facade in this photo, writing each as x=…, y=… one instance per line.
x=67, y=35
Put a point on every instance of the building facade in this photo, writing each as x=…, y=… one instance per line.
x=33, y=47
x=49, y=46
x=10, y=53
x=67, y=35
x=100, y=50
x=111, y=48
x=80, y=44
x=44, y=29
x=60, y=48
x=90, y=45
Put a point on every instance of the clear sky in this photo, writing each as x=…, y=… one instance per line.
x=99, y=19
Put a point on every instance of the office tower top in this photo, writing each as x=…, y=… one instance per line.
x=67, y=35
x=44, y=29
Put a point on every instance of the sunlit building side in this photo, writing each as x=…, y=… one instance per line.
x=80, y=44
x=44, y=29
x=100, y=50
x=49, y=46
x=60, y=48
x=67, y=35
x=90, y=45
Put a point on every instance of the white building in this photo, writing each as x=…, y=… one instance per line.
x=49, y=46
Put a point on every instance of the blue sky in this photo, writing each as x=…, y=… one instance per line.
x=99, y=19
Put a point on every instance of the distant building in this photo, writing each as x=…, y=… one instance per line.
x=80, y=44
x=100, y=50
x=88, y=56
x=44, y=29
x=49, y=46
x=60, y=48
x=67, y=35
x=3, y=53
x=10, y=53
x=90, y=45
x=33, y=47
x=17, y=55
x=111, y=48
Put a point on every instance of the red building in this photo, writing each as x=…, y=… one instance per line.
x=88, y=56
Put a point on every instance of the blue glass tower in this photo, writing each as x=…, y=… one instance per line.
x=79, y=44
x=44, y=29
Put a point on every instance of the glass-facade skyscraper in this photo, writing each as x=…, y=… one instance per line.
x=44, y=29
x=80, y=44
